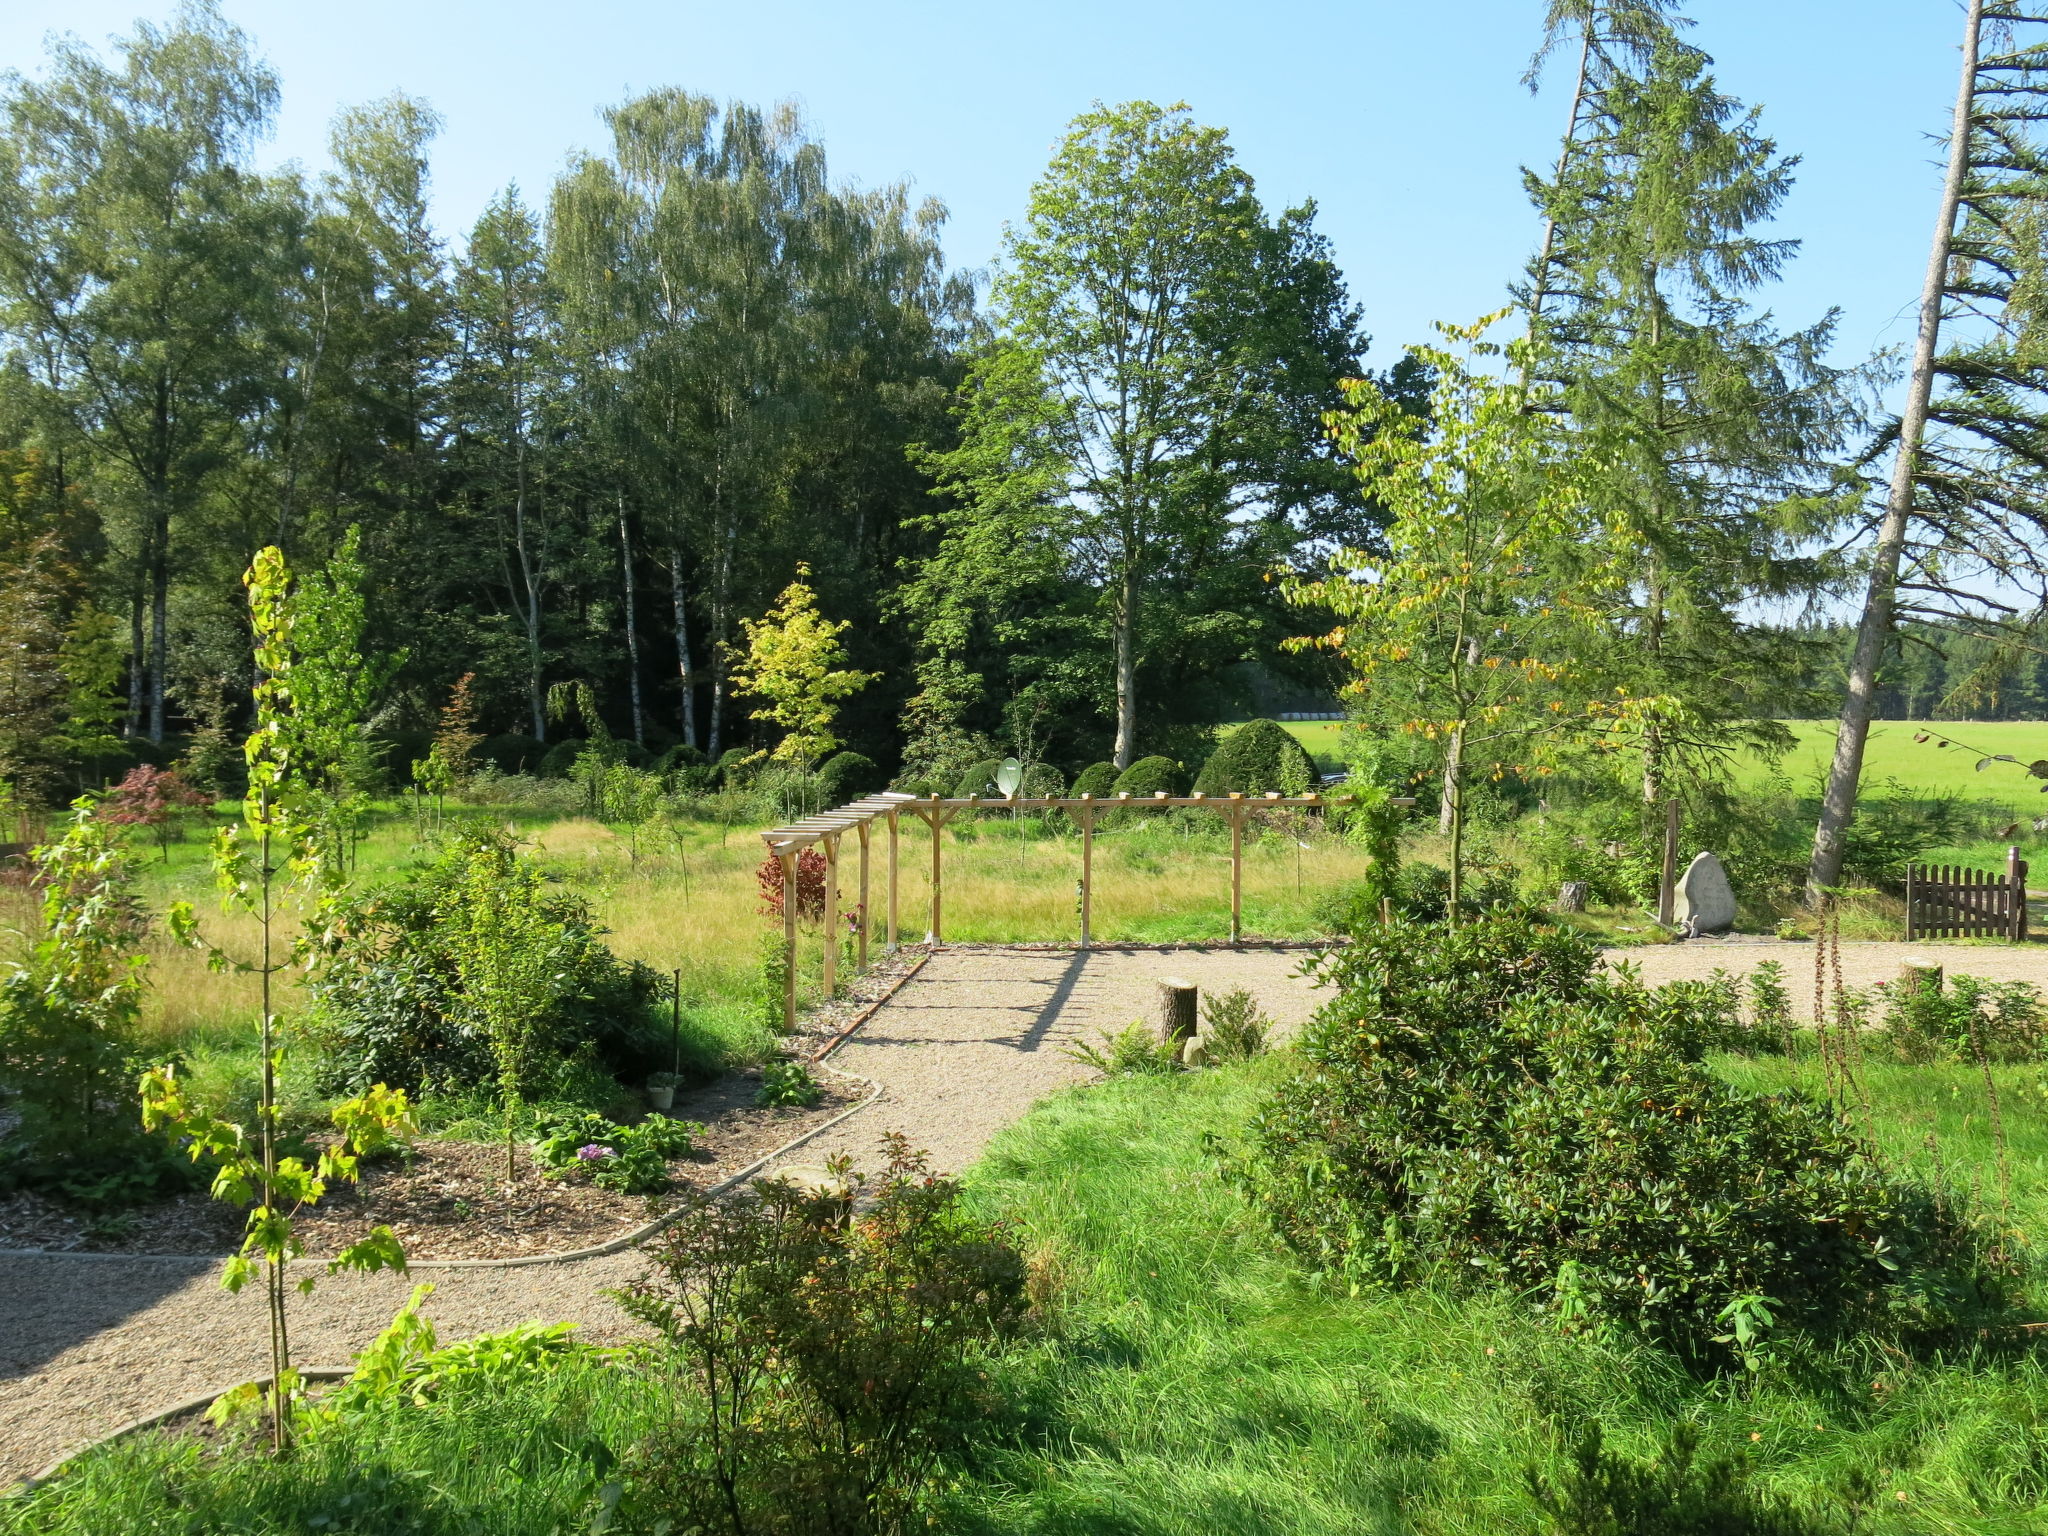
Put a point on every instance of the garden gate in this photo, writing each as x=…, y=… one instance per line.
x=1944, y=901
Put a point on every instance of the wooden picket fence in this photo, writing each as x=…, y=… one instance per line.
x=1946, y=901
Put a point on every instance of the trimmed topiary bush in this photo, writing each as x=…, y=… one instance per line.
x=847, y=776
x=1150, y=776
x=1097, y=779
x=978, y=778
x=736, y=768
x=1481, y=1106
x=1258, y=758
x=561, y=756
x=513, y=753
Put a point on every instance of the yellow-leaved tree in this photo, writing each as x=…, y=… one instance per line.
x=794, y=663
x=1470, y=627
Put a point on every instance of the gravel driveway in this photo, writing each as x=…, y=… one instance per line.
x=1865, y=962
x=92, y=1341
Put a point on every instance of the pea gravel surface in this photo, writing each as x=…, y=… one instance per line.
x=89, y=1342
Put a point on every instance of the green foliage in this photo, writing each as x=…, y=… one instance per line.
x=1478, y=1106
x=788, y=1085
x=794, y=662
x=632, y=1159
x=398, y=997
x=1150, y=776
x=1257, y=757
x=977, y=778
x=1097, y=779
x=512, y=753
x=1234, y=1027
x=560, y=757
x=846, y=776
x=1132, y=1050
x=1971, y=1019
x=827, y=1344
x=1606, y=1494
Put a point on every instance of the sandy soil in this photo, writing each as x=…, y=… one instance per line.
x=1864, y=962
x=90, y=1341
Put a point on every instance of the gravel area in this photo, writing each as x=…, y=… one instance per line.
x=93, y=1340
x=1865, y=962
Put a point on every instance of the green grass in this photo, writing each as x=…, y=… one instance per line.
x=1923, y=767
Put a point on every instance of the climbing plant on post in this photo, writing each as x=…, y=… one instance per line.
x=257, y=865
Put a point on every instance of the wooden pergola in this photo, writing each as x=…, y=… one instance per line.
x=860, y=817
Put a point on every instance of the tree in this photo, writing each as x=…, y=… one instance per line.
x=1467, y=629
x=132, y=246
x=1140, y=420
x=155, y=798
x=1707, y=436
x=1965, y=507
x=275, y=1186
x=796, y=664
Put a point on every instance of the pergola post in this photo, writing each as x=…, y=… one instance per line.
x=831, y=978
x=860, y=954
x=1087, y=867
x=1236, y=867
x=892, y=881
x=788, y=863
x=936, y=820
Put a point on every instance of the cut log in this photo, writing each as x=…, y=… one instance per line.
x=1917, y=977
x=1177, y=1018
x=1571, y=896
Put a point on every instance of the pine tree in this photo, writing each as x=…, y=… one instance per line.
x=1965, y=518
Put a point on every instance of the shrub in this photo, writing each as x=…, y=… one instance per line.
x=737, y=768
x=790, y=794
x=1233, y=1026
x=847, y=776
x=788, y=1085
x=1770, y=1003
x=1132, y=1050
x=631, y=1159
x=390, y=996
x=154, y=798
x=809, y=883
x=1150, y=776
x=918, y=786
x=1970, y=1019
x=977, y=778
x=1257, y=757
x=1097, y=779
x=1479, y=1105
x=513, y=753
x=830, y=1340
x=680, y=756
x=560, y=757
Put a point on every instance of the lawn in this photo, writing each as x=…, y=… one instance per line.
x=1926, y=767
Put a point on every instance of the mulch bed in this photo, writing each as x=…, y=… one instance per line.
x=450, y=1199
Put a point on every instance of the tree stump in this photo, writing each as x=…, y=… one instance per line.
x=1571, y=896
x=1917, y=977
x=1176, y=1011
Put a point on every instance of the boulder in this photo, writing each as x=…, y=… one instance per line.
x=1705, y=900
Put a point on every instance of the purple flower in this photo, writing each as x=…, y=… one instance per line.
x=594, y=1153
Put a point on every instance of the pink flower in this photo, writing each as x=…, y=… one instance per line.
x=594, y=1153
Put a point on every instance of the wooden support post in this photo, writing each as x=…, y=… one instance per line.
x=1911, y=935
x=1236, y=867
x=860, y=943
x=788, y=863
x=1087, y=868
x=936, y=820
x=2016, y=877
x=1667, y=884
x=893, y=831
x=831, y=964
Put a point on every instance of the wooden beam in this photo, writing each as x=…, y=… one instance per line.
x=894, y=831
x=788, y=863
x=860, y=955
x=831, y=974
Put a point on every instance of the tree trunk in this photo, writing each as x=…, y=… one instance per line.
x=1126, y=671
x=159, y=615
x=1838, y=800
x=683, y=668
x=137, y=648
x=1454, y=765
x=530, y=609
x=632, y=626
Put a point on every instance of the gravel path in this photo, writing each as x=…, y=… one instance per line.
x=89, y=1342
x=1865, y=962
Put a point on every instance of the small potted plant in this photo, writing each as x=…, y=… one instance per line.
x=661, y=1090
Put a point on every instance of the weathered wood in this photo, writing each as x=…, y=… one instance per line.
x=936, y=821
x=1086, y=814
x=1236, y=814
x=860, y=952
x=894, y=833
x=831, y=964
x=1667, y=881
x=1176, y=1017
x=1948, y=901
x=1571, y=896
x=1917, y=977
x=788, y=863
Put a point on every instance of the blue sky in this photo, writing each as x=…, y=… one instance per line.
x=1406, y=123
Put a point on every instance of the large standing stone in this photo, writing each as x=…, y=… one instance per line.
x=1706, y=901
